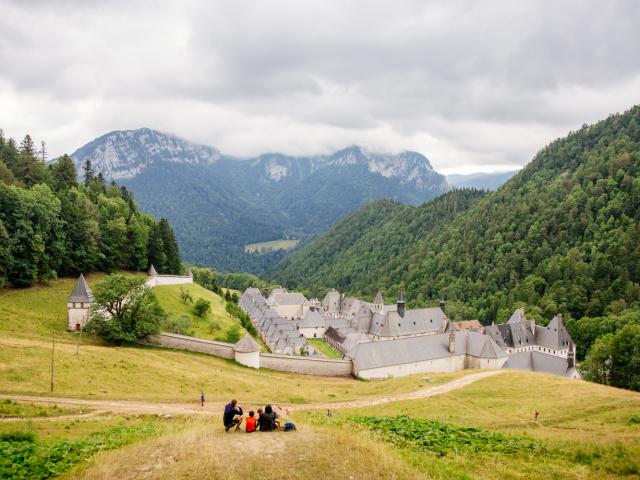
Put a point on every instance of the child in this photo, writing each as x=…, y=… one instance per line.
x=251, y=422
x=202, y=399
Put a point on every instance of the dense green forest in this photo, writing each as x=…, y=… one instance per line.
x=562, y=236
x=52, y=225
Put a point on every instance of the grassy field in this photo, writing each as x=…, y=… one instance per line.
x=583, y=430
x=272, y=245
x=28, y=316
x=215, y=325
x=324, y=348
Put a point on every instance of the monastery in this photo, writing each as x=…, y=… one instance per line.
x=390, y=340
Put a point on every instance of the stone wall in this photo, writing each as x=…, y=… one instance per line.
x=169, y=280
x=182, y=342
x=307, y=365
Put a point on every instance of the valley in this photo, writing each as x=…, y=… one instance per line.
x=272, y=245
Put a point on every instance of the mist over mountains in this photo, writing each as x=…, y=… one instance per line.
x=217, y=204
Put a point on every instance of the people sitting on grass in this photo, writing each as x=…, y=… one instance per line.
x=232, y=416
x=250, y=424
x=268, y=420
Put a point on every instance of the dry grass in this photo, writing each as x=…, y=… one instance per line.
x=206, y=452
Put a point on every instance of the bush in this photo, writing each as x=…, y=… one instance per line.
x=180, y=325
x=233, y=335
x=185, y=296
x=201, y=307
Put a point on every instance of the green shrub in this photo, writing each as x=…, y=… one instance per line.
x=201, y=307
x=180, y=325
x=233, y=334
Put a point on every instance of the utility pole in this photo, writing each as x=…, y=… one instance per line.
x=53, y=349
x=79, y=339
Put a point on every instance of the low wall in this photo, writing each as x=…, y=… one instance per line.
x=168, y=280
x=307, y=365
x=182, y=342
x=285, y=363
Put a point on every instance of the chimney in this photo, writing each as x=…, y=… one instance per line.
x=452, y=340
x=443, y=304
x=571, y=356
x=400, y=303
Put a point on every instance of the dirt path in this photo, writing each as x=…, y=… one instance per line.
x=214, y=408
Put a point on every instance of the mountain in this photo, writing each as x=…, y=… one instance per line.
x=217, y=204
x=563, y=235
x=482, y=180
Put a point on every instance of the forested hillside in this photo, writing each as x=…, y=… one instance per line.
x=52, y=225
x=562, y=236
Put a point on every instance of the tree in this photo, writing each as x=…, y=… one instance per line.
x=173, y=263
x=63, y=174
x=201, y=307
x=125, y=310
x=155, y=249
x=614, y=359
x=89, y=173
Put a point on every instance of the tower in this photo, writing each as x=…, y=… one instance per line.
x=443, y=304
x=400, y=303
x=78, y=305
x=452, y=338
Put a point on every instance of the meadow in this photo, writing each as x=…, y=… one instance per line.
x=485, y=430
x=272, y=245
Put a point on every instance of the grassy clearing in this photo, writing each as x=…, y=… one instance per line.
x=272, y=245
x=215, y=325
x=11, y=409
x=206, y=452
x=42, y=450
x=584, y=430
x=324, y=348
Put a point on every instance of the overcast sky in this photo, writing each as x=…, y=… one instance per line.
x=475, y=86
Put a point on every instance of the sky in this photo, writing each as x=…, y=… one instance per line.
x=474, y=86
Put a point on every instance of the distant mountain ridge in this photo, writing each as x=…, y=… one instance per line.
x=218, y=203
x=482, y=180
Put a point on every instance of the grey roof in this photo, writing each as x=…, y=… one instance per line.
x=518, y=316
x=247, y=345
x=289, y=299
x=399, y=351
x=81, y=292
x=152, y=271
x=331, y=301
x=554, y=335
x=414, y=322
x=278, y=290
x=378, y=300
x=539, y=362
x=312, y=319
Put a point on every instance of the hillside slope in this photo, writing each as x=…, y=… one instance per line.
x=562, y=236
x=218, y=204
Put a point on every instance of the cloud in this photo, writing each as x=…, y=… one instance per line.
x=472, y=85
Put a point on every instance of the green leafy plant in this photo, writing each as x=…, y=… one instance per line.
x=201, y=307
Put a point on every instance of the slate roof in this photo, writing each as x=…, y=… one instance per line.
x=554, y=335
x=289, y=299
x=81, y=292
x=312, y=319
x=378, y=300
x=247, y=345
x=517, y=332
x=539, y=362
x=152, y=271
x=414, y=322
x=399, y=351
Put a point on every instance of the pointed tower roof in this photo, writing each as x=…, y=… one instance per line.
x=152, y=271
x=378, y=300
x=81, y=293
x=518, y=316
x=247, y=345
x=401, y=298
x=189, y=273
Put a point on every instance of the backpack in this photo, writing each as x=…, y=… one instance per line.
x=288, y=427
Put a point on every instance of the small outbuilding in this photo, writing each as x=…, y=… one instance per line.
x=247, y=352
x=78, y=305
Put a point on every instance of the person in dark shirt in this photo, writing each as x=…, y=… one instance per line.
x=268, y=420
x=232, y=415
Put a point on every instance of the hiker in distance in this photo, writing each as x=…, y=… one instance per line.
x=232, y=416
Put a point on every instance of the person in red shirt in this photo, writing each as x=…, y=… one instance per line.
x=251, y=422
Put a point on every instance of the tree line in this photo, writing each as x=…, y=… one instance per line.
x=54, y=224
x=562, y=236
